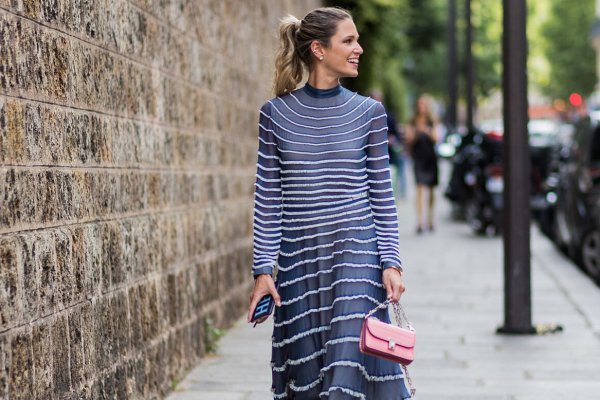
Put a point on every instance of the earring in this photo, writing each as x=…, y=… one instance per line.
x=321, y=58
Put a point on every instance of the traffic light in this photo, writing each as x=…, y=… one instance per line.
x=575, y=99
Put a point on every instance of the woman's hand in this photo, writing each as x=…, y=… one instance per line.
x=392, y=281
x=263, y=284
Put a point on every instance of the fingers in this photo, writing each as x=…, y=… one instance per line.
x=253, y=302
x=275, y=294
x=395, y=290
x=393, y=284
x=262, y=286
x=398, y=290
x=390, y=291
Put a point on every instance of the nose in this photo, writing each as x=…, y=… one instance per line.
x=358, y=49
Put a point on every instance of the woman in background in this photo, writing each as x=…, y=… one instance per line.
x=422, y=137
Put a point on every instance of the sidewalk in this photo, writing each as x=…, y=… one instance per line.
x=454, y=299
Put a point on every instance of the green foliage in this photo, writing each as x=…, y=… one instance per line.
x=487, y=45
x=381, y=25
x=404, y=48
x=212, y=334
x=567, y=46
x=427, y=65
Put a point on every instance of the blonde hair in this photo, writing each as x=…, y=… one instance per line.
x=428, y=114
x=295, y=38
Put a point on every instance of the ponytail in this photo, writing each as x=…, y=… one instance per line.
x=295, y=38
x=289, y=68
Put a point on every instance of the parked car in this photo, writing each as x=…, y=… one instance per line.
x=544, y=198
x=543, y=138
x=577, y=211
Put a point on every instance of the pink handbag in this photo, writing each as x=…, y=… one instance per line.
x=394, y=343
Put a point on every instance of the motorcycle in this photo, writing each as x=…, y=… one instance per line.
x=476, y=186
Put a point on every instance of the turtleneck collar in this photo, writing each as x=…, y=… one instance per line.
x=322, y=93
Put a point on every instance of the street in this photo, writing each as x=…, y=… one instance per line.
x=454, y=299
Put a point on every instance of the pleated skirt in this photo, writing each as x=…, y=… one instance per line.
x=329, y=277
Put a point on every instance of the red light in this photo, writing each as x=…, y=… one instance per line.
x=575, y=99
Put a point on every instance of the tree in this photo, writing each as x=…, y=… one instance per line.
x=568, y=48
x=381, y=25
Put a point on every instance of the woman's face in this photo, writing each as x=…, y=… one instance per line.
x=422, y=105
x=341, y=57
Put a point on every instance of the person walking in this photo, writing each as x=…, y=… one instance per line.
x=395, y=148
x=422, y=137
x=325, y=216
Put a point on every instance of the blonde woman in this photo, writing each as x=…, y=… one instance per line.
x=422, y=137
x=325, y=215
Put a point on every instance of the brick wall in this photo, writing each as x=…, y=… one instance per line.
x=127, y=153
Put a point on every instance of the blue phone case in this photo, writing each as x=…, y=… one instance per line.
x=263, y=308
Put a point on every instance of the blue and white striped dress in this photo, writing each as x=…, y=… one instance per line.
x=325, y=215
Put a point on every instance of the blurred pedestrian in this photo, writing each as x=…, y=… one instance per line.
x=395, y=148
x=325, y=215
x=422, y=138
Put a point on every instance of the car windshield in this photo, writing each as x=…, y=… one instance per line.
x=542, y=132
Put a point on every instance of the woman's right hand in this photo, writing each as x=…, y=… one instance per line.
x=263, y=284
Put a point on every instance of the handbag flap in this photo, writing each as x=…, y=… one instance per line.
x=384, y=331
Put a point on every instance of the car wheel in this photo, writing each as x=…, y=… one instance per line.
x=590, y=253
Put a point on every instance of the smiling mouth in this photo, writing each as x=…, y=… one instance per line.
x=353, y=61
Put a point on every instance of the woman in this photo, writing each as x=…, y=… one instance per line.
x=422, y=138
x=325, y=214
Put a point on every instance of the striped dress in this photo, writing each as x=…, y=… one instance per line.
x=325, y=216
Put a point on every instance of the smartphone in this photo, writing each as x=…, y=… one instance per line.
x=263, y=308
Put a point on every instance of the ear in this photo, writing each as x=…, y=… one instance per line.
x=316, y=48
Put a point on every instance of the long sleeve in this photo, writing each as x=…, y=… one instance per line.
x=381, y=194
x=267, y=198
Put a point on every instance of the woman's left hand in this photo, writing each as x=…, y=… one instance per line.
x=392, y=281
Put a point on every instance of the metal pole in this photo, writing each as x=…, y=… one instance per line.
x=470, y=68
x=452, y=67
x=597, y=50
x=517, y=268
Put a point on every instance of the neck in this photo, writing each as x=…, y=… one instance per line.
x=320, y=80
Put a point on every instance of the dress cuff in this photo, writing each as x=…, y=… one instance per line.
x=263, y=270
x=392, y=264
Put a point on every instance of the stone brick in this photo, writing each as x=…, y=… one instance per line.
x=151, y=314
x=4, y=365
x=60, y=357
x=113, y=269
x=76, y=350
x=10, y=289
x=43, y=365
x=121, y=329
x=89, y=337
x=8, y=53
x=12, y=131
x=157, y=357
x=126, y=185
x=30, y=271
x=92, y=264
x=45, y=255
x=65, y=288
x=136, y=378
x=103, y=335
x=176, y=354
x=136, y=311
x=21, y=371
